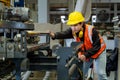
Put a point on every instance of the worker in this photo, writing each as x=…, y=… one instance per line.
x=93, y=48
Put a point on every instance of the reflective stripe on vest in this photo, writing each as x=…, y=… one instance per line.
x=90, y=33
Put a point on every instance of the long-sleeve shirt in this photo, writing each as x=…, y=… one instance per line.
x=95, y=38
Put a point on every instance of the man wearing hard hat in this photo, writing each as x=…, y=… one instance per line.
x=93, y=48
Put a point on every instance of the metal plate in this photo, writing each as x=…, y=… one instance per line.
x=16, y=25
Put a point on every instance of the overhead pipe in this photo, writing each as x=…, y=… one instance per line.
x=84, y=6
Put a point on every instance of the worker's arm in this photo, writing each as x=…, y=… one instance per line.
x=62, y=35
x=96, y=44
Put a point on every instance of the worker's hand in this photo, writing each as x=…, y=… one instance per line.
x=52, y=34
x=82, y=57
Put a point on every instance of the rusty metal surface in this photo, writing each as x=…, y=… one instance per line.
x=34, y=47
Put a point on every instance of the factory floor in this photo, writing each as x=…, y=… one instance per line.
x=40, y=75
x=52, y=75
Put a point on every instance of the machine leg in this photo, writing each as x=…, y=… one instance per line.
x=18, y=68
x=118, y=61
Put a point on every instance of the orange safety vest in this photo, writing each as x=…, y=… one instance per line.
x=88, y=41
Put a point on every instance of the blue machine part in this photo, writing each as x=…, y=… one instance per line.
x=18, y=3
x=63, y=72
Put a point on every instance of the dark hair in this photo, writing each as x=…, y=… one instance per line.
x=83, y=24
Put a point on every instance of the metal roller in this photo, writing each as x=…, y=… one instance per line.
x=34, y=47
x=70, y=61
x=72, y=69
x=36, y=33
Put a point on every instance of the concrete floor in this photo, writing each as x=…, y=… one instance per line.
x=40, y=75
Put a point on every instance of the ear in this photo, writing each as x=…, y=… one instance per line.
x=82, y=23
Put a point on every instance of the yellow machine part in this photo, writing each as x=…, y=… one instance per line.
x=6, y=2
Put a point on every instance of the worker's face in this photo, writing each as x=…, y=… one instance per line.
x=77, y=27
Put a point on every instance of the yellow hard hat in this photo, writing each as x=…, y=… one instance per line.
x=75, y=17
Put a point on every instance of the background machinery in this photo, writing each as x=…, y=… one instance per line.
x=22, y=50
x=25, y=50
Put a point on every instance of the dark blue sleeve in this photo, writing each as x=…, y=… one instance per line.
x=64, y=34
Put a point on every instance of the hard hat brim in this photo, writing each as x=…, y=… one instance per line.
x=74, y=22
